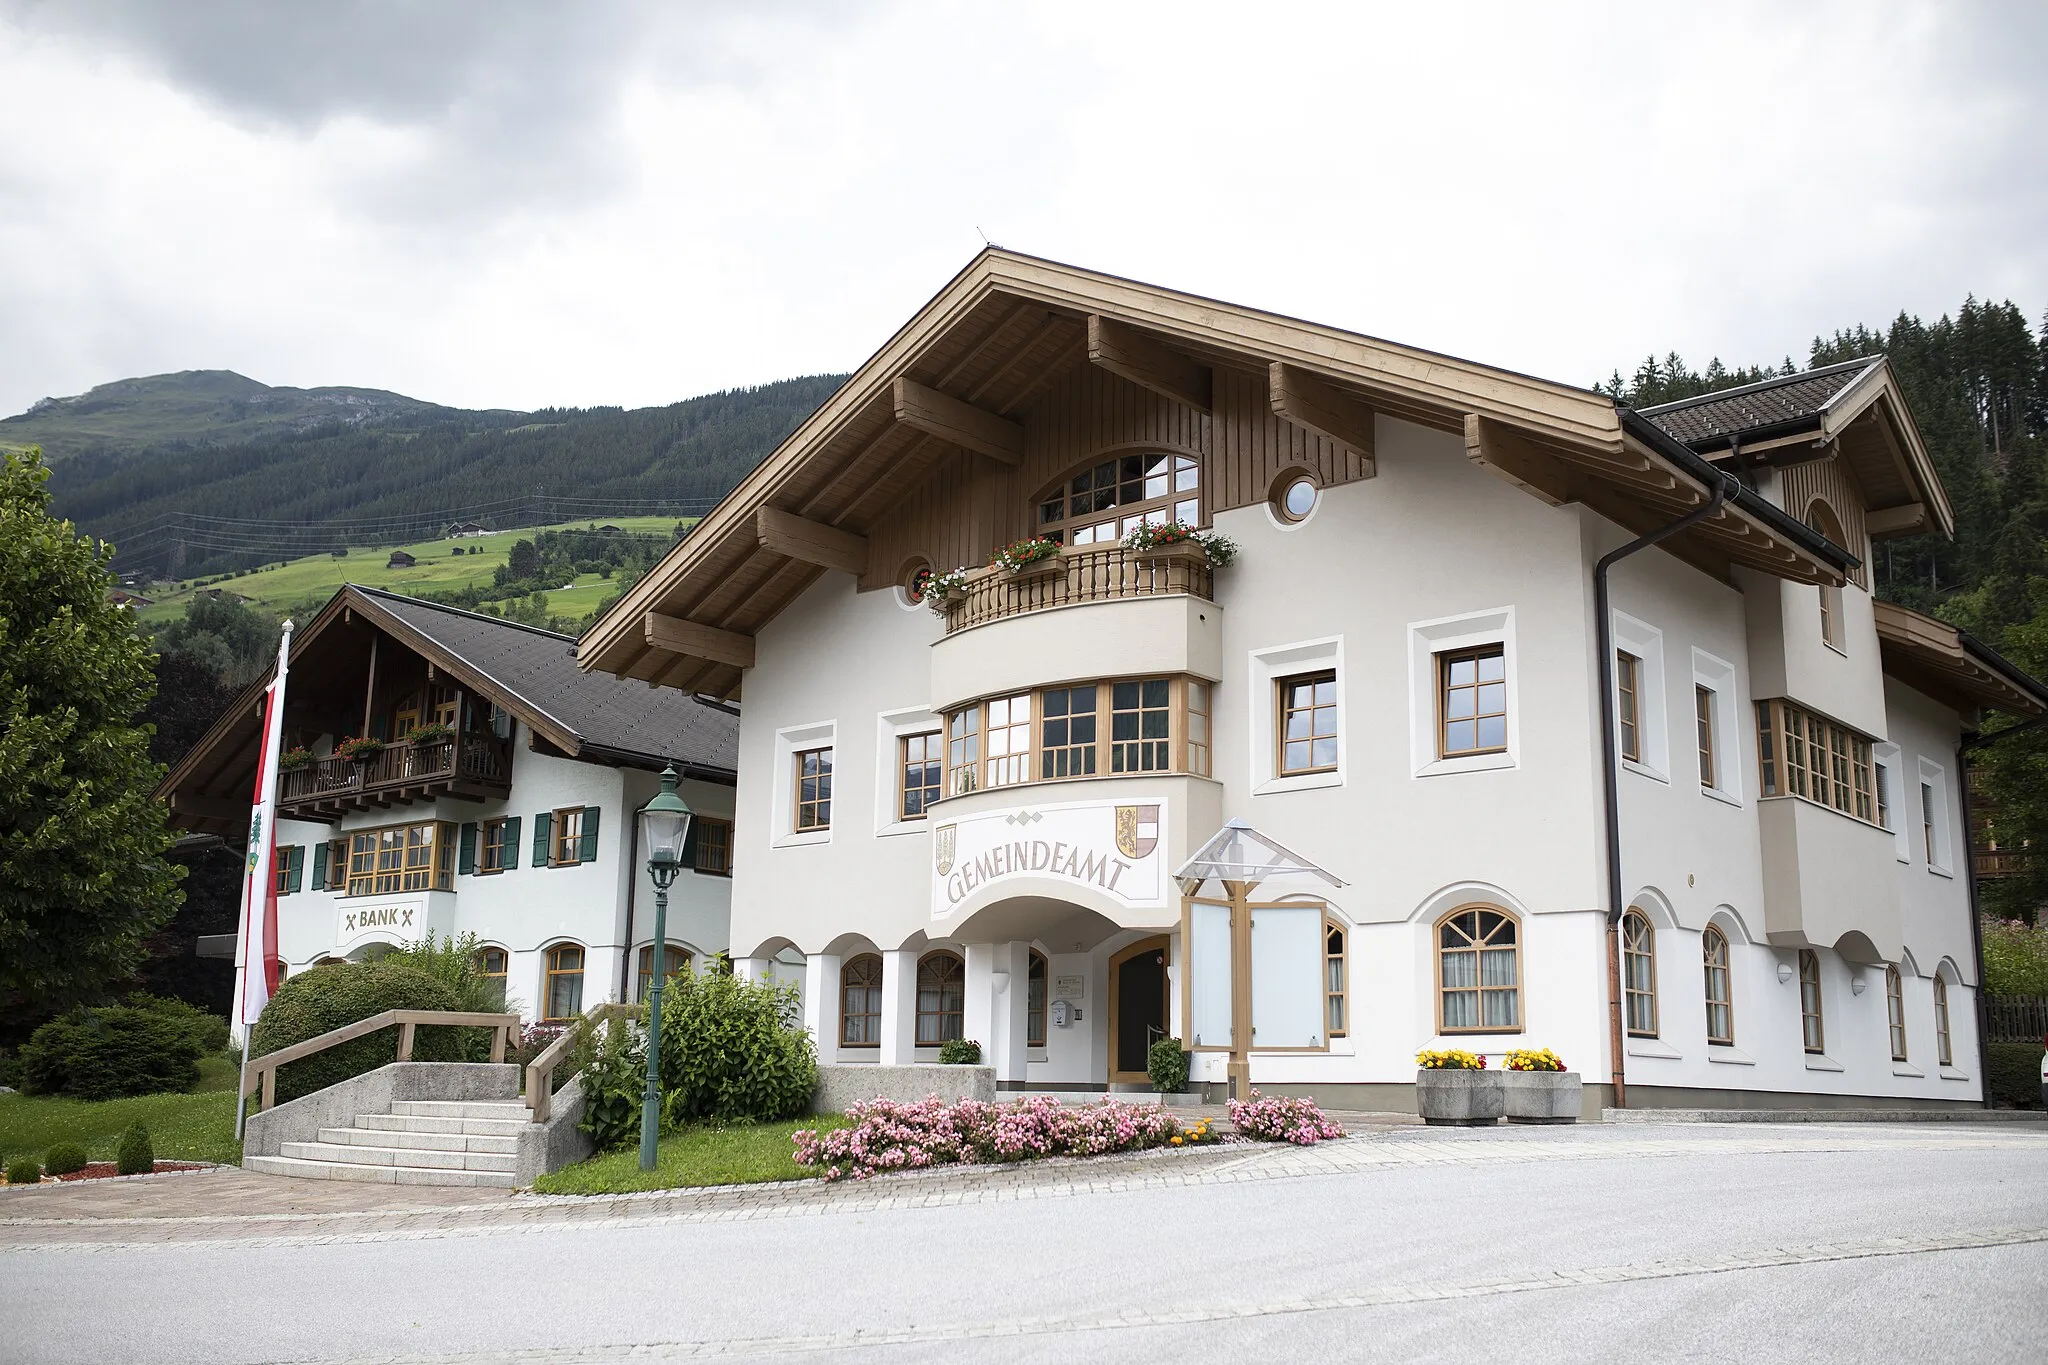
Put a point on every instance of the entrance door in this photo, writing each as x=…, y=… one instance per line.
x=1137, y=1007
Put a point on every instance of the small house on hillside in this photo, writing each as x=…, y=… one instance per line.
x=461, y=529
x=400, y=560
x=121, y=597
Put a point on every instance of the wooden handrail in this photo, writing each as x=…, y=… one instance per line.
x=262, y=1071
x=540, y=1072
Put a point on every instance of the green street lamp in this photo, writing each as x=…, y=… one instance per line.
x=664, y=828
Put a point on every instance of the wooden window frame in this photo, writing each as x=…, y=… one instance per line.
x=1927, y=821
x=482, y=967
x=1643, y=948
x=1725, y=966
x=1037, y=971
x=490, y=847
x=1895, y=1012
x=1141, y=746
x=963, y=751
x=337, y=865
x=1813, y=1038
x=550, y=970
x=1201, y=750
x=942, y=1015
x=1284, y=711
x=643, y=966
x=967, y=730
x=813, y=815
x=1821, y=518
x=1012, y=767
x=1478, y=989
x=1944, y=1046
x=720, y=865
x=1823, y=762
x=1160, y=508
x=1083, y=755
x=1628, y=710
x=392, y=868
x=1445, y=661
x=1703, y=722
x=562, y=834
x=930, y=763
x=876, y=998
x=1336, y=979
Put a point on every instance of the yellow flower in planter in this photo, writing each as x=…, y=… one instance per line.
x=1534, y=1059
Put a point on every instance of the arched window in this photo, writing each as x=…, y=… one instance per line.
x=1811, y=1031
x=564, y=993
x=1479, y=971
x=1942, y=1051
x=1639, y=974
x=491, y=965
x=1336, y=993
x=941, y=997
x=860, y=1002
x=1034, y=1001
x=1101, y=502
x=1822, y=519
x=678, y=962
x=1895, y=1010
x=1720, y=988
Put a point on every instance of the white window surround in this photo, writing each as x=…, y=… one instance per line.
x=1653, y=725
x=1939, y=858
x=789, y=742
x=1426, y=640
x=1717, y=675
x=1817, y=1061
x=890, y=729
x=1949, y=1073
x=1267, y=667
x=1652, y=1047
x=1729, y=1055
x=1887, y=768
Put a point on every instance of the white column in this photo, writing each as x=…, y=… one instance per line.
x=755, y=969
x=1012, y=1011
x=978, y=1016
x=899, y=1008
x=821, y=1005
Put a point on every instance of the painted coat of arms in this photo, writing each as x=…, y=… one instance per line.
x=1137, y=830
x=943, y=846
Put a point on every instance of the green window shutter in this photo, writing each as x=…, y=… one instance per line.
x=295, y=866
x=543, y=832
x=588, y=852
x=690, y=844
x=511, y=842
x=465, y=861
x=319, y=867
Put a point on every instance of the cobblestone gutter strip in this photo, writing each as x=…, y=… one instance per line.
x=2023, y=1116
x=1365, y=1297
x=936, y=1188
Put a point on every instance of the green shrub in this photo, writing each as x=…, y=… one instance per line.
x=959, y=1052
x=734, y=1050
x=1167, y=1065
x=110, y=1052
x=326, y=998
x=209, y=1031
x=614, y=1083
x=2015, y=957
x=135, y=1156
x=10, y=1069
x=24, y=1171
x=2014, y=1078
x=66, y=1158
x=452, y=961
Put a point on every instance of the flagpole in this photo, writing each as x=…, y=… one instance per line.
x=257, y=942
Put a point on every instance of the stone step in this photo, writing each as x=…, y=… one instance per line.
x=418, y=1123
x=383, y=1175
x=429, y=1142
x=461, y=1109
x=349, y=1154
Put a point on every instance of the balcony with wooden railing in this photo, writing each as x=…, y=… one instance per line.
x=473, y=764
x=1080, y=574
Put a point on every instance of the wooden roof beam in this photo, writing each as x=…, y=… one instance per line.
x=1131, y=354
x=963, y=424
x=1496, y=447
x=677, y=636
x=813, y=542
x=1318, y=406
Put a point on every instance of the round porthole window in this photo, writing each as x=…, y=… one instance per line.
x=916, y=575
x=1298, y=498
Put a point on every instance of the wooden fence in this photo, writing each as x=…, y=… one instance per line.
x=2016, y=1018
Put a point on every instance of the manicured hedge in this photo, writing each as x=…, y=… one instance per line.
x=110, y=1052
x=2014, y=1081
x=326, y=998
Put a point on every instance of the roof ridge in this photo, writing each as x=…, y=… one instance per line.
x=462, y=611
x=1863, y=362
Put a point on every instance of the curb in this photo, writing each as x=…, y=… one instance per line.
x=2022, y=1116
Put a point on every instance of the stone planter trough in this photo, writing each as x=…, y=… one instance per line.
x=1465, y=1099
x=1541, y=1096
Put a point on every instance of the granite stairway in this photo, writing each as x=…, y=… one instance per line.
x=419, y=1142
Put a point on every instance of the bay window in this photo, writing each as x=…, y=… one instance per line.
x=1091, y=729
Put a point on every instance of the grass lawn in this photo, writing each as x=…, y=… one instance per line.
x=738, y=1154
x=196, y=1127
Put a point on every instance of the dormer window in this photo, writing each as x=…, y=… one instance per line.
x=1102, y=502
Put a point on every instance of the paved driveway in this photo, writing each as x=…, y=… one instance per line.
x=1635, y=1243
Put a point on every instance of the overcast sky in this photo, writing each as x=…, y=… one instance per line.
x=513, y=203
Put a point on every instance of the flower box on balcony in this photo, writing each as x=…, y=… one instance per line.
x=1189, y=551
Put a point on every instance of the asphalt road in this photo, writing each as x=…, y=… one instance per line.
x=1917, y=1243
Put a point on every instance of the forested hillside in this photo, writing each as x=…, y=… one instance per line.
x=182, y=511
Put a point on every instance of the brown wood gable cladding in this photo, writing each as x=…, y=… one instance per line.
x=1090, y=364
x=1830, y=480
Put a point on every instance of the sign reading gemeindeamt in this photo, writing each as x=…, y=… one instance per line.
x=1116, y=850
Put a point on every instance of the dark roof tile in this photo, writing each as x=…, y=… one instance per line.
x=1712, y=418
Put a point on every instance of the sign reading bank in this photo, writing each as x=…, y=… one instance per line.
x=388, y=923
x=1112, y=849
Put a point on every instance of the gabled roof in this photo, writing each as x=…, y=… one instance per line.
x=530, y=672
x=977, y=356
x=1952, y=665
x=1853, y=407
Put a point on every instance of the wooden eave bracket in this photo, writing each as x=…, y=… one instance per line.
x=1896, y=521
x=1316, y=405
x=941, y=415
x=1130, y=354
x=812, y=542
x=1495, y=447
x=677, y=636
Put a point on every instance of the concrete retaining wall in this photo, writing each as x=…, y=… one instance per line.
x=550, y=1146
x=839, y=1086
x=301, y=1120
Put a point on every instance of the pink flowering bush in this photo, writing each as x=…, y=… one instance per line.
x=887, y=1136
x=1272, y=1119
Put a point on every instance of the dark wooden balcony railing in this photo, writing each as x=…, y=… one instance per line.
x=474, y=757
x=1094, y=573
